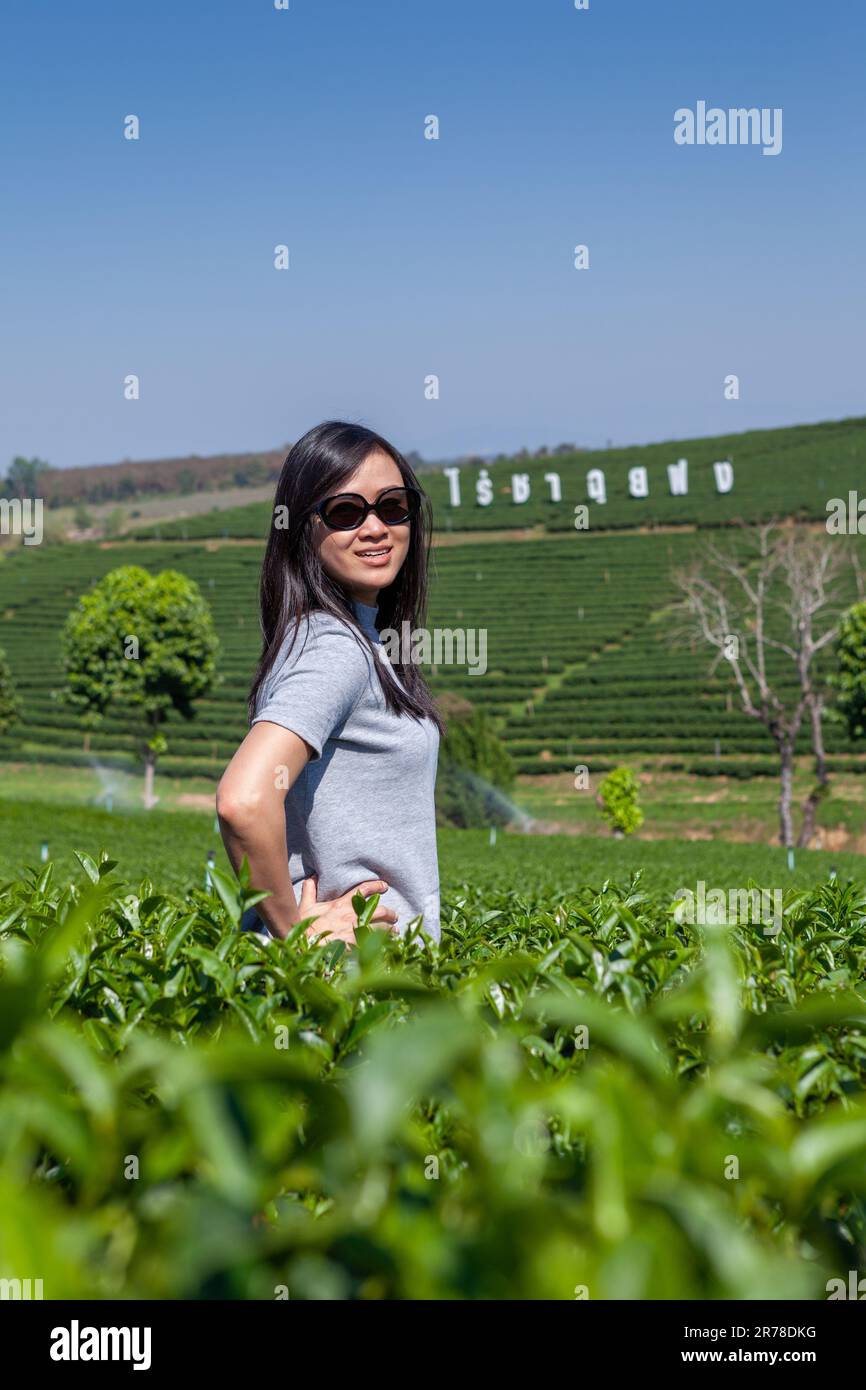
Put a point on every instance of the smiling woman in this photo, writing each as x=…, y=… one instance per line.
x=331, y=792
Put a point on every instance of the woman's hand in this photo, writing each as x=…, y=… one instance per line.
x=337, y=919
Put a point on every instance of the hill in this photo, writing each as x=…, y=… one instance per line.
x=120, y=482
x=577, y=667
x=183, y=476
x=790, y=472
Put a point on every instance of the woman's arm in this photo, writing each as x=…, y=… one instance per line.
x=251, y=809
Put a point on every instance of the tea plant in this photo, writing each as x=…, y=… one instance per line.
x=576, y=1097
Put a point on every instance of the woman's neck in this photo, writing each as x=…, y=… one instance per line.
x=368, y=598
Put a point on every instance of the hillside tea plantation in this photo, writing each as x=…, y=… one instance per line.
x=580, y=1093
x=570, y=1098
x=777, y=472
x=578, y=664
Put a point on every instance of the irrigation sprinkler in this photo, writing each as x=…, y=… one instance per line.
x=791, y=859
x=493, y=834
x=211, y=860
x=43, y=853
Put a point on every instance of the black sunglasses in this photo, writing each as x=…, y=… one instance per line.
x=348, y=510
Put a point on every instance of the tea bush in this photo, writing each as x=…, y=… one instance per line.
x=572, y=1096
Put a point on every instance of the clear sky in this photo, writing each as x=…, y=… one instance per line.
x=409, y=256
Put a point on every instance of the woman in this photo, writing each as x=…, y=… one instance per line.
x=331, y=792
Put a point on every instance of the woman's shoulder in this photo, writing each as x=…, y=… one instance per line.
x=320, y=673
x=327, y=624
x=323, y=637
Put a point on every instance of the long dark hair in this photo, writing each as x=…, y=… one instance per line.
x=294, y=584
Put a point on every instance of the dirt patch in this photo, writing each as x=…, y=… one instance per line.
x=680, y=833
x=832, y=839
x=199, y=801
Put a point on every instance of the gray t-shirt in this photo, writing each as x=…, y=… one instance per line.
x=363, y=806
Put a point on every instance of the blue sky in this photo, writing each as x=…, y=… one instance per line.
x=411, y=257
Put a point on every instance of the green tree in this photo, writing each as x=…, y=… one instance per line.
x=9, y=703
x=475, y=768
x=618, y=800
x=82, y=518
x=23, y=476
x=849, y=680
x=113, y=524
x=143, y=641
x=250, y=473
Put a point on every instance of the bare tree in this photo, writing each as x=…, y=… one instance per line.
x=777, y=591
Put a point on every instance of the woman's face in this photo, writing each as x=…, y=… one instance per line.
x=368, y=559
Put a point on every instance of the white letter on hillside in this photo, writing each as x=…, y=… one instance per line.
x=520, y=487
x=552, y=480
x=453, y=476
x=595, y=489
x=638, y=485
x=678, y=477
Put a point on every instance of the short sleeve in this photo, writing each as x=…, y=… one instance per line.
x=313, y=689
